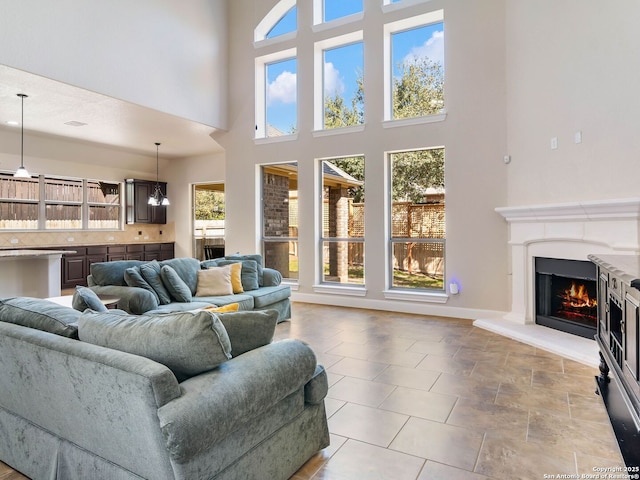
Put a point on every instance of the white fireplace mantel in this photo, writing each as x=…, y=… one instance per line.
x=565, y=230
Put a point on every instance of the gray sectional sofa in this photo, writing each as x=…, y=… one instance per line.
x=110, y=395
x=143, y=286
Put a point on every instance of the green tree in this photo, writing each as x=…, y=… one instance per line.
x=419, y=89
x=209, y=205
x=415, y=171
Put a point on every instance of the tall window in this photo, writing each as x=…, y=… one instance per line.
x=276, y=94
x=417, y=219
x=415, y=56
x=343, y=86
x=342, y=242
x=280, y=218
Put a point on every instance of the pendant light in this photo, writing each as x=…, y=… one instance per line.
x=158, y=198
x=22, y=172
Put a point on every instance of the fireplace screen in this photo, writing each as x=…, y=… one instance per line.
x=566, y=292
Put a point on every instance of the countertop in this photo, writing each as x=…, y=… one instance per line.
x=30, y=253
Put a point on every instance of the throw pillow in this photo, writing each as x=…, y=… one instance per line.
x=232, y=307
x=176, y=286
x=250, y=329
x=256, y=257
x=236, y=277
x=188, y=343
x=84, y=298
x=248, y=273
x=214, y=281
x=40, y=314
x=133, y=278
x=151, y=273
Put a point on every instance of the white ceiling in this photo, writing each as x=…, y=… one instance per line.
x=109, y=121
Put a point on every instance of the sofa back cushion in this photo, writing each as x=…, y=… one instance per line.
x=84, y=298
x=178, y=289
x=255, y=257
x=187, y=269
x=248, y=271
x=111, y=273
x=188, y=343
x=133, y=278
x=41, y=315
x=151, y=273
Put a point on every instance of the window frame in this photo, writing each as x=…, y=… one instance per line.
x=266, y=239
x=436, y=295
x=261, y=64
x=408, y=23
x=318, y=77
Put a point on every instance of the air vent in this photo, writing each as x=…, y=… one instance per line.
x=74, y=123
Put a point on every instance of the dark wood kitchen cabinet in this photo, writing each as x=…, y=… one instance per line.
x=76, y=265
x=137, y=197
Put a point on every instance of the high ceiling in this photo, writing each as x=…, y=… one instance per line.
x=62, y=110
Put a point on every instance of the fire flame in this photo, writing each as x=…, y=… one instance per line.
x=577, y=297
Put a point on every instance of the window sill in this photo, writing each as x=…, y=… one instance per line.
x=427, y=297
x=283, y=138
x=403, y=122
x=338, y=22
x=275, y=40
x=391, y=7
x=338, y=131
x=340, y=290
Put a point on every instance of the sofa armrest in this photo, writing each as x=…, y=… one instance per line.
x=271, y=277
x=215, y=403
x=134, y=300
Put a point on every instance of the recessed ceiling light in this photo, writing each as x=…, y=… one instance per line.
x=74, y=123
x=13, y=122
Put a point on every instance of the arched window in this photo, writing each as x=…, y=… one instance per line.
x=282, y=19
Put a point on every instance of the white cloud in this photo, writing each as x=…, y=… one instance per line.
x=433, y=49
x=283, y=89
x=333, y=84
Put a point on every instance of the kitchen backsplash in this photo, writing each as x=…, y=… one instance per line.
x=138, y=233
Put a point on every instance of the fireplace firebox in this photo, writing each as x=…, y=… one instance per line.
x=566, y=295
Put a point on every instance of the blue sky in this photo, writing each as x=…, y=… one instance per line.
x=343, y=65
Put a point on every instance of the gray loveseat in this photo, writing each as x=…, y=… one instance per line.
x=143, y=286
x=76, y=409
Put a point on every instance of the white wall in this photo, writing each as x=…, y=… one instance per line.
x=183, y=174
x=572, y=65
x=167, y=55
x=474, y=135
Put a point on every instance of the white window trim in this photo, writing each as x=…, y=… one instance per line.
x=387, y=6
x=318, y=72
x=261, y=89
x=403, y=122
x=417, y=296
x=271, y=19
x=341, y=289
x=276, y=40
x=436, y=16
x=338, y=131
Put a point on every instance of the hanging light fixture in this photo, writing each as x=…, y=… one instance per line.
x=22, y=172
x=157, y=197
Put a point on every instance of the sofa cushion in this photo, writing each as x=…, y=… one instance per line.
x=41, y=315
x=256, y=257
x=84, y=298
x=186, y=268
x=176, y=286
x=214, y=281
x=188, y=343
x=133, y=278
x=248, y=273
x=249, y=330
x=111, y=273
x=151, y=273
x=266, y=296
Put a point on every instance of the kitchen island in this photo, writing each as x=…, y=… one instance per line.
x=30, y=273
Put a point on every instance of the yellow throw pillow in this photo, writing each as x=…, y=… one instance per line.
x=236, y=277
x=232, y=307
x=214, y=281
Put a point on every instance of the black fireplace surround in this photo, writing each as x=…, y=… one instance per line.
x=565, y=295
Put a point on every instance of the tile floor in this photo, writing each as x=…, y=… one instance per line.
x=414, y=397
